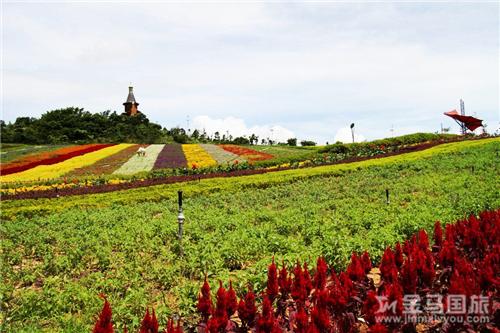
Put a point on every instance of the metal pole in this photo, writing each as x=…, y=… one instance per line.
x=352, y=132
x=180, y=220
x=387, y=196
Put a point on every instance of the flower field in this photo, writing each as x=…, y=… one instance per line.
x=197, y=157
x=62, y=253
x=464, y=263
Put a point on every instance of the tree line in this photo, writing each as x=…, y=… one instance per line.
x=76, y=125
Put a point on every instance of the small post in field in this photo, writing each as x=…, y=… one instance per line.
x=387, y=196
x=180, y=221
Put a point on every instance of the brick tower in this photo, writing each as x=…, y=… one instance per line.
x=131, y=105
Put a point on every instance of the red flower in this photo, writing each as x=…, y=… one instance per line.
x=205, y=301
x=231, y=301
x=367, y=263
x=247, y=309
x=388, y=267
x=355, y=269
x=284, y=282
x=272, y=281
x=149, y=323
x=320, y=275
x=104, y=323
x=438, y=234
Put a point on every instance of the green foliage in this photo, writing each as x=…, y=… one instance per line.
x=75, y=125
x=306, y=143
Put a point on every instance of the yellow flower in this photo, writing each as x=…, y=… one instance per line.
x=197, y=157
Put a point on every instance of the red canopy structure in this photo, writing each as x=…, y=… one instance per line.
x=469, y=122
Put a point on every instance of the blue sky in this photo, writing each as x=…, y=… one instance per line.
x=278, y=69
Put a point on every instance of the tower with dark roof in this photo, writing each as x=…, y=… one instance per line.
x=131, y=104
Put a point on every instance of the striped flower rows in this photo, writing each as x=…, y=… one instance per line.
x=60, y=169
x=123, y=159
x=48, y=158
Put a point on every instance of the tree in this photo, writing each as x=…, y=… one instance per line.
x=292, y=142
x=307, y=143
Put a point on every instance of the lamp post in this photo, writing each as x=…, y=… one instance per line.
x=352, y=132
x=180, y=221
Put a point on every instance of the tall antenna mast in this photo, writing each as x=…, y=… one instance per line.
x=462, y=112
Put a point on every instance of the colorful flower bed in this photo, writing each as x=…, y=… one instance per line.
x=249, y=154
x=60, y=169
x=48, y=158
x=171, y=156
x=139, y=163
x=108, y=164
x=222, y=156
x=451, y=286
x=197, y=157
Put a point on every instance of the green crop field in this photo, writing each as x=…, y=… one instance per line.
x=60, y=254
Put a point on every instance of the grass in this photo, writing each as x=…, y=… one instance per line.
x=124, y=243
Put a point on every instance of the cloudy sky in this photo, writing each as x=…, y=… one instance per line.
x=278, y=69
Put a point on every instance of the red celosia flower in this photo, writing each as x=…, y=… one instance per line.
x=355, y=269
x=272, y=281
x=409, y=276
x=388, y=267
x=450, y=233
x=284, y=282
x=247, y=309
x=265, y=321
x=231, y=301
x=398, y=255
x=149, y=323
x=367, y=263
x=370, y=306
x=299, y=288
x=320, y=275
x=205, y=301
x=448, y=254
x=307, y=279
x=423, y=240
x=104, y=323
x=438, y=234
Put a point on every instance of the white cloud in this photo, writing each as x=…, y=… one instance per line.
x=344, y=135
x=237, y=127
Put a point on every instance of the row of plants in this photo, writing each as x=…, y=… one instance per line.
x=197, y=157
x=250, y=155
x=11, y=151
x=57, y=170
x=48, y=158
x=140, y=163
x=58, y=254
x=419, y=283
x=171, y=157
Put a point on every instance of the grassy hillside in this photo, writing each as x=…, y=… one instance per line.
x=62, y=253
